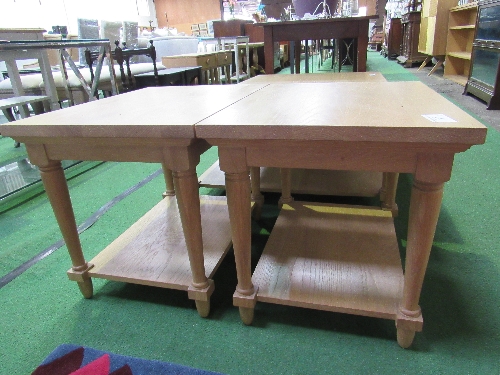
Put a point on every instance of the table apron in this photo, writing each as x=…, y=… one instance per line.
x=326, y=31
x=317, y=158
x=147, y=152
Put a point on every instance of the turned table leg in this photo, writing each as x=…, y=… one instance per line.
x=233, y=163
x=55, y=185
x=286, y=186
x=169, y=181
x=188, y=201
x=388, y=192
x=257, y=196
x=432, y=171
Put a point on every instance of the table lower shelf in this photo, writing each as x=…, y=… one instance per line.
x=153, y=251
x=332, y=257
x=308, y=181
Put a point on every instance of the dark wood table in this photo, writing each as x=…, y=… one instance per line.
x=331, y=28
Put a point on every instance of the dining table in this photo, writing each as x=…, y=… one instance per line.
x=355, y=28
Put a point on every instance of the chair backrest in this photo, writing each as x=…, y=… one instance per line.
x=87, y=29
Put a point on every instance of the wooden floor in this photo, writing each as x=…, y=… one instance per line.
x=153, y=251
x=332, y=257
x=308, y=181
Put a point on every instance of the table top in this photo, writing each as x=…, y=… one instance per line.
x=345, y=111
x=317, y=77
x=153, y=112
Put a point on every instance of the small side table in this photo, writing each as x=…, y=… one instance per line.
x=206, y=60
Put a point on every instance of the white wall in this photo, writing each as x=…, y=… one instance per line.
x=48, y=13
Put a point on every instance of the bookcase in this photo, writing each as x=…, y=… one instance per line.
x=461, y=28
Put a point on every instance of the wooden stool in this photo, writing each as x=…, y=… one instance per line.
x=6, y=106
x=206, y=60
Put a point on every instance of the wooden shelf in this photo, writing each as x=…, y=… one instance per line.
x=332, y=257
x=459, y=8
x=460, y=55
x=461, y=80
x=308, y=181
x=153, y=251
x=464, y=27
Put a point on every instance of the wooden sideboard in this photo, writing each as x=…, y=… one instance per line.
x=409, y=47
x=394, y=38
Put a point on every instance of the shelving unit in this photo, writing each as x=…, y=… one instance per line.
x=461, y=29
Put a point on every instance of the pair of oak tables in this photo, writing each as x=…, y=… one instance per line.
x=322, y=256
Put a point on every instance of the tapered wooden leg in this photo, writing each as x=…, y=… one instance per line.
x=55, y=185
x=233, y=163
x=286, y=186
x=424, y=63
x=169, y=181
x=425, y=205
x=257, y=196
x=388, y=192
x=227, y=73
x=188, y=201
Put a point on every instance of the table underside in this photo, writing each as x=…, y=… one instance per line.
x=308, y=181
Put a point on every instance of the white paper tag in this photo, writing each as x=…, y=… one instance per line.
x=438, y=118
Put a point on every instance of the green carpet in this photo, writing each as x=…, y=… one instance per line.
x=41, y=309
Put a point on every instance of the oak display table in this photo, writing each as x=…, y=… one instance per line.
x=166, y=247
x=334, y=257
